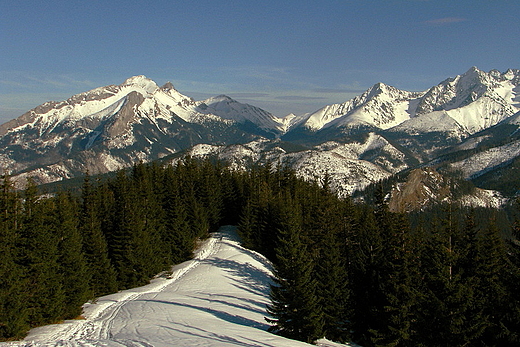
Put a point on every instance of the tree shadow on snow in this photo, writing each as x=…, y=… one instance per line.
x=235, y=319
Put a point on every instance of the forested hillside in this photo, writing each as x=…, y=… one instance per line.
x=346, y=271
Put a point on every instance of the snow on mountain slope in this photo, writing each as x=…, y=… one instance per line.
x=482, y=162
x=436, y=121
x=352, y=166
x=116, y=126
x=215, y=300
x=474, y=100
x=227, y=108
x=382, y=106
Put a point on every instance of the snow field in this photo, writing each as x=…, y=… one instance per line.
x=216, y=299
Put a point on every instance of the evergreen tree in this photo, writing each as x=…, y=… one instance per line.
x=334, y=290
x=327, y=225
x=367, y=259
x=13, y=299
x=294, y=304
x=494, y=271
x=248, y=224
x=101, y=273
x=446, y=313
x=398, y=280
x=176, y=235
x=38, y=245
x=72, y=262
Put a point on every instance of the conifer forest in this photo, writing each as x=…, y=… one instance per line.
x=347, y=271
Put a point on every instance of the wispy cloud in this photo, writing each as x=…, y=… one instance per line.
x=27, y=81
x=248, y=95
x=298, y=97
x=444, y=21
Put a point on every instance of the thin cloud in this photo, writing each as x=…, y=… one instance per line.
x=445, y=21
x=248, y=95
x=298, y=97
x=337, y=90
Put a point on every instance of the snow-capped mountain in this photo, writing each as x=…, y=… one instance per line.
x=227, y=108
x=460, y=106
x=467, y=123
x=110, y=127
x=381, y=106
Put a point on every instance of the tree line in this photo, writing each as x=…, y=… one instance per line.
x=346, y=271
x=354, y=272
x=59, y=251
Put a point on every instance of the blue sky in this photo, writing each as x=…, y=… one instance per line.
x=283, y=56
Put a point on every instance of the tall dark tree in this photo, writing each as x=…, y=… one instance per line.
x=446, y=312
x=101, y=272
x=494, y=271
x=176, y=235
x=40, y=259
x=326, y=225
x=294, y=307
x=72, y=263
x=366, y=273
x=13, y=299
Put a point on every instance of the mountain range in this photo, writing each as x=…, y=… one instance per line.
x=468, y=123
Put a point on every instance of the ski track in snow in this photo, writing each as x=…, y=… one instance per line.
x=217, y=299
x=98, y=327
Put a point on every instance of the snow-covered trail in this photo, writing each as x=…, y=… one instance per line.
x=216, y=299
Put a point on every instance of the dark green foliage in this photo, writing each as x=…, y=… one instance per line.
x=344, y=271
x=101, y=272
x=13, y=311
x=295, y=303
x=39, y=256
x=72, y=262
x=57, y=252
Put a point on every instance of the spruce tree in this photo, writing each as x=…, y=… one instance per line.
x=13, y=294
x=446, y=309
x=176, y=235
x=398, y=282
x=101, y=273
x=366, y=272
x=294, y=304
x=39, y=246
x=494, y=272
x=333, y=283
x=72, y=262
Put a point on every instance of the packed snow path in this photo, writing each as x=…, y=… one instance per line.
x=216, y=299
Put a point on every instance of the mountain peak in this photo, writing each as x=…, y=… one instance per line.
x=219, y=98
x=168, y=86
x=140, y=81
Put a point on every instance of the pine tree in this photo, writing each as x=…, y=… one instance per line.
x=294, y=304
x=248, y=224
x=493, y=270
x=446, y=314
x=40, y=258
x=176, y=235
x=367, y=258
x=398, y=279
x=72, y=262
x=334, y=290
x=327, y=227
x=101, y=273
x=13, y=299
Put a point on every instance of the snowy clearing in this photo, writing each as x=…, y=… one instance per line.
x=216, y=299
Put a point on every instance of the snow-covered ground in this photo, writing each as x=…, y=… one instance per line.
x=216, y=299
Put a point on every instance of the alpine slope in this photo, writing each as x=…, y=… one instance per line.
x=216, y=299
